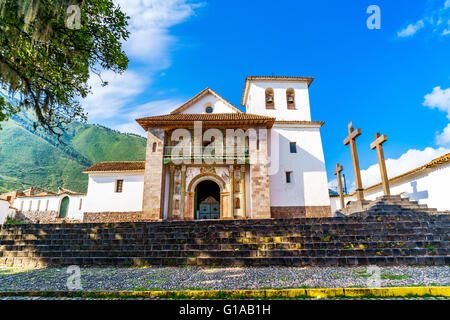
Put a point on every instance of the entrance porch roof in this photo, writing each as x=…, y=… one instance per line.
x=216, y=120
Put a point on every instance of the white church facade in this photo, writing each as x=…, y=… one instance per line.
x=267, y=162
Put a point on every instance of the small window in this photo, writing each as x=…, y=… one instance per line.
x=209, y=109
x=177, y=204
x=39, y=205
x=154, y=147
x=288, y=176
x=269, y=98
x=290, y=98
x=46, y=206
x=293, y=147
x=119, y=185
x=81, y=203
x=29, y=206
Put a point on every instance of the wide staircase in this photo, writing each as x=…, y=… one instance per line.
x=386, y=235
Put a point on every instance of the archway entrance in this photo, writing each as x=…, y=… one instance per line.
x=207, y=200
x=64, y=207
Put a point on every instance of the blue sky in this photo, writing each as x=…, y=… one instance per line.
x=395, y=80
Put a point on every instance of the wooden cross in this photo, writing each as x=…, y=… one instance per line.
x=337, y=172
x=378, y=144
x=352, y=135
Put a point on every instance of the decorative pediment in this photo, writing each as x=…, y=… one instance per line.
x=207, y=97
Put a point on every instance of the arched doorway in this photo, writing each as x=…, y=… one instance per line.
x=64, y=207
x=207, y=200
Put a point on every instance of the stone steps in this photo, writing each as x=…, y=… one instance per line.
x=231, y=253
x=111, y=233
x=263, y=246
x=410, y=236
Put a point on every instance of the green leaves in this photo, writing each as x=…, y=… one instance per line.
x=46, y=65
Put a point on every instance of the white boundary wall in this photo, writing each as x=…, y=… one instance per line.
x=101, y=196
x=432, y=187
x=52, y=203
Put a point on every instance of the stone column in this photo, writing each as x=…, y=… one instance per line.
x=153, y=177
x=190, y=214
x=243, y=192
x=231, y=192
x=183, y=191
x=259, y=175
x=171, y=178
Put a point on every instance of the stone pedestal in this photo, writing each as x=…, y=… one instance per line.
x=356, y=206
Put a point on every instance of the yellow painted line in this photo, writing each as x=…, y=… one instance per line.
x=262, y=294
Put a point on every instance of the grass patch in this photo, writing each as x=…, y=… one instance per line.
x=10, y=220
x=390, y=276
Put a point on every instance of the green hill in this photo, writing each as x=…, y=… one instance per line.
x=31, y=157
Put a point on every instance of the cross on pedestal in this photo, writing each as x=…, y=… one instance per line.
x=352, y=135
x=378, y=144
x=337, y=172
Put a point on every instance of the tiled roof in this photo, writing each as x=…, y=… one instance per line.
x=432, y=164
x=200, y=95
x=117, y=166
x=217, y=119
x=299, y=122
x=308, y=80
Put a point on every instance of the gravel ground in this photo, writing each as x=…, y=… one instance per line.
x=192, y=278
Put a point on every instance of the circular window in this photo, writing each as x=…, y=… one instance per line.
x=209, y=109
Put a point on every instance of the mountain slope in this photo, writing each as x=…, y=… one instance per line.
x=31, y=157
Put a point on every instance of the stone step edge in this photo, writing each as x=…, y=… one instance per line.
x=308, y=221
x=303, y=245
x=221, y=261
x=318, y=293
x=215, y=253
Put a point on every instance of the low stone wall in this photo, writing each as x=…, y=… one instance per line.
x=42, y=217
x=300, y=212
x=92, y=217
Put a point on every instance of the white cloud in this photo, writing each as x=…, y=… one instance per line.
x=144, y=110
x=443, y=138
x=434, y=18
x=411, y=29
x=408, y=161
x=149, y=25
x=149, y=44
x=440, y=99
x=107, y=101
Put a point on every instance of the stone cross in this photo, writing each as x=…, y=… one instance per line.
x=378, y=144
x=352, y=135
x=337, y=172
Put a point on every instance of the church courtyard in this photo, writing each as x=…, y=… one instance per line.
x=95, y=279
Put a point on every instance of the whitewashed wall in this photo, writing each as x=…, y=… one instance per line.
x=309, y=185
x=256, y=101
x=52, y=203
x=101, y=196
x=4, y=211
x=431, y=188
x=200, y=105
